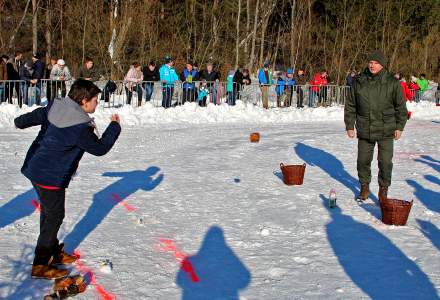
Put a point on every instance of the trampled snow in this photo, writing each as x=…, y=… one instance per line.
x=185, y=185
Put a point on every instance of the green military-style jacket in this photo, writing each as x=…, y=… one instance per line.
x=376, y=106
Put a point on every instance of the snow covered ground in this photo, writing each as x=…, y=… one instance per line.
x=186, y=181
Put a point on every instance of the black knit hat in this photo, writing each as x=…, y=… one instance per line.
x=379, y=57
x=168, y=59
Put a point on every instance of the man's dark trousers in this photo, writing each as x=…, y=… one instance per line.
x=384, y=157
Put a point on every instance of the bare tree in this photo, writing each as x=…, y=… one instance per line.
x=34, y=25
x=237, y=38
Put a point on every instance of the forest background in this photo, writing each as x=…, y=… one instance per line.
x=315, y=35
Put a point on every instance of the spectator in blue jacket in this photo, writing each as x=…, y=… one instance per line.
x=37, y=75
x=66, y=133
x=232, y=95
x=280, y=88
x=188, y=76
x=168, y=76
x=265, y=79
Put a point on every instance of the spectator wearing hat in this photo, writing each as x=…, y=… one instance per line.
x=168, y=76
x=59, y=75
x=37, y=75
x=265, y=79
x=3, y=77
x=376, y=108
x=151, y=75
x=188, y=76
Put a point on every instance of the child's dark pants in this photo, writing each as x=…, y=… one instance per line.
x=51, y=217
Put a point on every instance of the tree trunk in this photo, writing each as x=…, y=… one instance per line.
x=292, y=33
x=48, y=33
x=34, y=26
x=254, y=37
x=343, y=41
x=215, y=24
x=12, y=38
x=61, y=26
x=120, y=23
x=84, y=30
x=237, y=37
x=248, y=25
x=263, y=34
x=276, y=47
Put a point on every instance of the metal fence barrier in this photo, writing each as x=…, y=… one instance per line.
x=12, y=91
x=119, y=93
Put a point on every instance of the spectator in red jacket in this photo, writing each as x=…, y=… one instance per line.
x=413, y=88
x=318, y=81
x=404, y=85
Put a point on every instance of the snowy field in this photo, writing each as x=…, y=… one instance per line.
x=186, y=183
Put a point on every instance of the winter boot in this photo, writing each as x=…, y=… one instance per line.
x=139, y=103
x=48, y=272
x=62, y=257
x=383, y=193
x=365, y=191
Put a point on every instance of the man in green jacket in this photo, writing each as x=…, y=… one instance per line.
x=87, y=71
x=423, y=85
x=377, y=108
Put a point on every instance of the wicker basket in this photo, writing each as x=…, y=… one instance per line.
x=395, y=211
x=255, y=137
x=293, y=174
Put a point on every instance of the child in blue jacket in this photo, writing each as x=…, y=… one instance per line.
x=66, y=133
x=203, y=94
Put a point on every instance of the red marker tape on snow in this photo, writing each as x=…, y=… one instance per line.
x=166, y=245
x=36, y=204
x=127, y=206
x=88, y=272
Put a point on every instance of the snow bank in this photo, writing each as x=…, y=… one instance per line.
x=242, y=113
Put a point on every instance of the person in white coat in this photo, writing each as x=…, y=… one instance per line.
x=59, y=75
